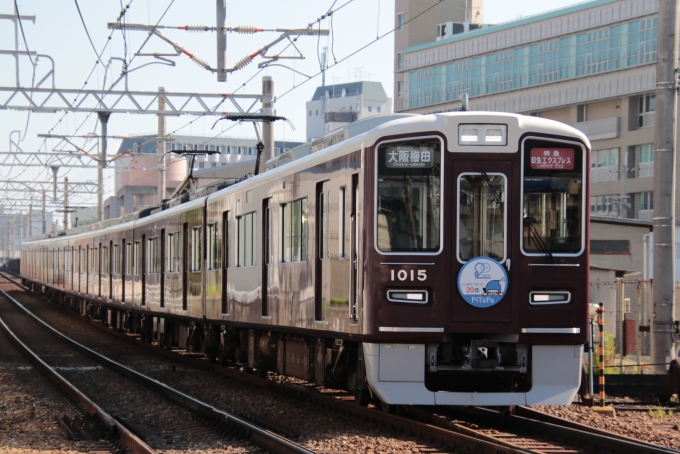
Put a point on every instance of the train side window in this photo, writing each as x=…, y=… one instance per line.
x=246, y=239
x=481, y=216
x=213, y=258
x=128, y=259
x=117, y=259
x=408, y=197
x=174, y=253
x=294, y=230
x=343, y=219
x=196, y=248
x=105, y=261
x=136, y=260
x=152, y=256
x=267, y=232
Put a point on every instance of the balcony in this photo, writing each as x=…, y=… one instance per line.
x=605, y=128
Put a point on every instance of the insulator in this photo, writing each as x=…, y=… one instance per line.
x=245, y=29
x=200, y=62
x=197, y=28
x=242, y=63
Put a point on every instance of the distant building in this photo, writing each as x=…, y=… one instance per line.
x=16, y=228
x=136, y=166
x=334, y=106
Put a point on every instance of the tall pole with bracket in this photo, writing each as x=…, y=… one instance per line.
x=103, y=121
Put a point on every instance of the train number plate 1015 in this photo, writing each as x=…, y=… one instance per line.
x=403, y=275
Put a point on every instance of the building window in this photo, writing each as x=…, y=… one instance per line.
x=400, y=60
x=609, y=247
x=294, y=230
x=595, y=51
x=605, y=205
x=174, y=252
x=310, y=113
x=196, y=249
x=370, y=108
x=317, y=113
x=605, y=165
x=581, y=113
x=213, y=258
x=646, y=108
x=246, y=239
x=378, y=109
x=400, y=89
x=643, y=206
x=641, y=161
x=400, y=21
x=152, y=255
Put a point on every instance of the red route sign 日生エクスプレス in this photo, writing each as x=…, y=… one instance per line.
x=552, y=158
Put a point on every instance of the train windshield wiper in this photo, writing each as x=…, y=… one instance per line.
x=530, y=225
x=494, y=189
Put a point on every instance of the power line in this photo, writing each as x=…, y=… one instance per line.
x=87, y=32
x=16, y=8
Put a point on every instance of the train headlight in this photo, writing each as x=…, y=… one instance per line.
x=477, y=134
x=549, y=297
x=407, y=296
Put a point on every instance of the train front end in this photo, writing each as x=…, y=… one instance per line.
x=476, y=260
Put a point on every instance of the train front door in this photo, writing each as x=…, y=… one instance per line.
x=481, y=233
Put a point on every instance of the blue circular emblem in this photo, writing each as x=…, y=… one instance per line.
x=482, y=282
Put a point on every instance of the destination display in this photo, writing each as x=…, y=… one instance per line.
x=408, y=158
x=552, y=158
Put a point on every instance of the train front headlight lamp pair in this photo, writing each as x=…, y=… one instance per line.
x=478, y=134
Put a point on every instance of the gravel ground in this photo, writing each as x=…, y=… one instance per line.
x=320, y=430
x=651, y=426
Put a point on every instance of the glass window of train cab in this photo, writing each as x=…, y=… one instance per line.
x=196, y=249
x=408, y=196
x=481, y=216
x=552, y=190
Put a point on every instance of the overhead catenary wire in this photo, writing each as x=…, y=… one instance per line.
x=21, y=26
x=82, y=20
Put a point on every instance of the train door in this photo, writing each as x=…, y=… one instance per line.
x=142, y=264
x=354, y=252
x=225, y=260
x=162, y=267
x=266, y=255
x=480, y=209
x=185, y=264
x=322, y=250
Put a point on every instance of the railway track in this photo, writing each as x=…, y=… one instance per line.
x=479, y=429
x=195, y=417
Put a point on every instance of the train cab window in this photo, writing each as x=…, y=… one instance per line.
x=294, y=229
x=247, y=224
x=481, y=216
x=213, y=258
x=408, y=196
x=152, y=256
x=196, y=249
x=552, y=188
x=174, y=253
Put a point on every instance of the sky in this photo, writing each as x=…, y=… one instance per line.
x=361, y=48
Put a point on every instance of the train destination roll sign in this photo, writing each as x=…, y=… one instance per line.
x=552, y=158
x=408, y=158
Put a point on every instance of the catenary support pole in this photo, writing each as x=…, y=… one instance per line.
x=268, y=126
x=590, y=362
x=221, y=32
x=664, y=184
x=160, y=188
x=103, y=121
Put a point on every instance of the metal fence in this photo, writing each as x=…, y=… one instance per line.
x=628, y=318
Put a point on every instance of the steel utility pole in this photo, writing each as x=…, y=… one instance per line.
x=104, y=121
x=30, y=219
x=664, y=185
x=221, y=33
x=44, y=224
x=65, y=203
x=160, y=190
x=268, y=126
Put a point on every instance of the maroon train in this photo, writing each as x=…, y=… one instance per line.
x=433, y=260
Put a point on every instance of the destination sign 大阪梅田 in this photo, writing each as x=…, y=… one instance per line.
x=552, y=158
x=405, y=158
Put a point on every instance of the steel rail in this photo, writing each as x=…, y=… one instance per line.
x=259, y=435
x=127, y=438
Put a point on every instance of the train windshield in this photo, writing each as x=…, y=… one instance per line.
x=409, y=196
x=553, y=198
